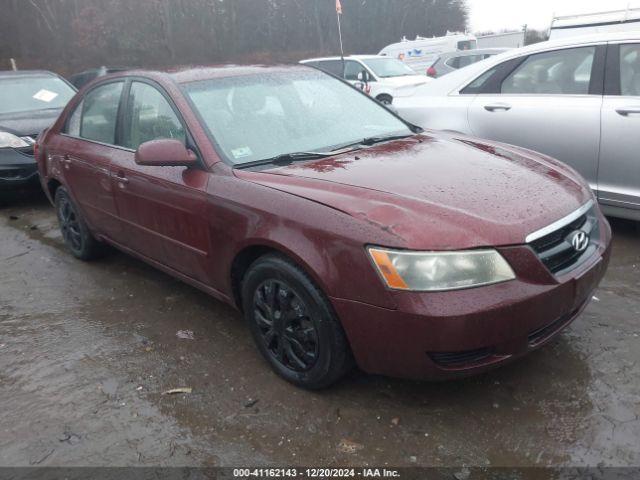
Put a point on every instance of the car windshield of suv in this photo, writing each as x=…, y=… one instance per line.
x=388, y=67
x=27, y=94
x=260, y=117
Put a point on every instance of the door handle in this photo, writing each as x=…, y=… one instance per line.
x=66, y=161
x=121, y=179
x=498, y=107
x=626, y=111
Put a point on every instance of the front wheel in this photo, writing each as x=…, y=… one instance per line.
x=75, y=232
x=293, y=324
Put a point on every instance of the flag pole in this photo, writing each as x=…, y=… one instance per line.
x=338, y=13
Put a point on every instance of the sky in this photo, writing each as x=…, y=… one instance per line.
x=512, y=14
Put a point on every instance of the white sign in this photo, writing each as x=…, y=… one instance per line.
x=45, y=96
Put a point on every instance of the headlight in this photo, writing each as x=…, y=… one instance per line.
x=9, y=140
x=440, y=271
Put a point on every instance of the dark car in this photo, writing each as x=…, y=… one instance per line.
x=30, y=101
x=81, y=79
x=338, y=229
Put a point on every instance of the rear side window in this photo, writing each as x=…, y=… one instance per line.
x=150, y=117
x=464, y=61
x=630, y=70
x=562, y=72
x=100, y=113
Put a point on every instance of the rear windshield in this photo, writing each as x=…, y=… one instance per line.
x=27, y=94
x=467, y=45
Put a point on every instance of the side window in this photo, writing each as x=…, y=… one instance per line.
x=150, y=117
x=453, y=62
x=630, y=70
x=479, y=84
x=352, y=69
x=332, y=66
x=100, y=113
x=73, y=124
x=565, y=72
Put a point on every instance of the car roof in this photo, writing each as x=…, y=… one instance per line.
x=349, y=57
x=456, y=80
x=26, y=73
x=101, y=69
x=477, y=51
x=201, y=73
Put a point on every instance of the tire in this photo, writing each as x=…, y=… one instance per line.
x=293, y=324
x=77, y=237
x=385, y=99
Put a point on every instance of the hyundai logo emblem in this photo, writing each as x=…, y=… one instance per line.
x=579, y=240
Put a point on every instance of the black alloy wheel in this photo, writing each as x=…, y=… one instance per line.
x=293, y=323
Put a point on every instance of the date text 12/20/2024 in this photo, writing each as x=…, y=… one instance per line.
x=315, y=473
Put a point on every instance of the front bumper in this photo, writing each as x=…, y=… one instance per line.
x=453, y=334
x=18, y=168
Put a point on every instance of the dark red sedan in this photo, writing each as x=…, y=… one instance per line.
x=342, y=232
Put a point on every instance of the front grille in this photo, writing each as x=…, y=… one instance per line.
x=555, y=249
x=462, y=359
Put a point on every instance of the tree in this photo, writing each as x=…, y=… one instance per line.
x=71, y=35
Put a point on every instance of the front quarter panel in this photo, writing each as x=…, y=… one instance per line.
x=329, y=245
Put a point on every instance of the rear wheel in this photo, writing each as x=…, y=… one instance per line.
x=293, y=324
x=75, y=232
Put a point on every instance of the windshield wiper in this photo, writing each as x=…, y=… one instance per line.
x=286, y=159
x=370, y=141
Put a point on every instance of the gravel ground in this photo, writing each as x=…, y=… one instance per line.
x=86, y=350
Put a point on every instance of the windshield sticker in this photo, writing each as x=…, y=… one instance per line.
x=241, y=152
x=45, y=96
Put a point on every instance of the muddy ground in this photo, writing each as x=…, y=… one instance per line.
x=86, y=350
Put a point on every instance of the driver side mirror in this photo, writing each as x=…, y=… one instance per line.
x=165, y=153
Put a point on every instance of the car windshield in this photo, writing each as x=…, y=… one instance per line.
x=388, y=67
x=260, y=117
x=27, y=94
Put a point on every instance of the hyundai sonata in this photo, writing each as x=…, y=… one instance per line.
x=340, y=231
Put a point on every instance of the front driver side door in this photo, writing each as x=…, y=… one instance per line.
x=619, y=175
x=550, y=103
x=162, y=209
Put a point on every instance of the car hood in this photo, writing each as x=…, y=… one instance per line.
x=438, y=192
x=28, y=123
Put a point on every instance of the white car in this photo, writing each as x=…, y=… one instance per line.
x=576, y=99
x=384, y=77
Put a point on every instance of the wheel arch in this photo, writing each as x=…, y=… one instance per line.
x=52, y=187
x=379, y=96
x=251, y=252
